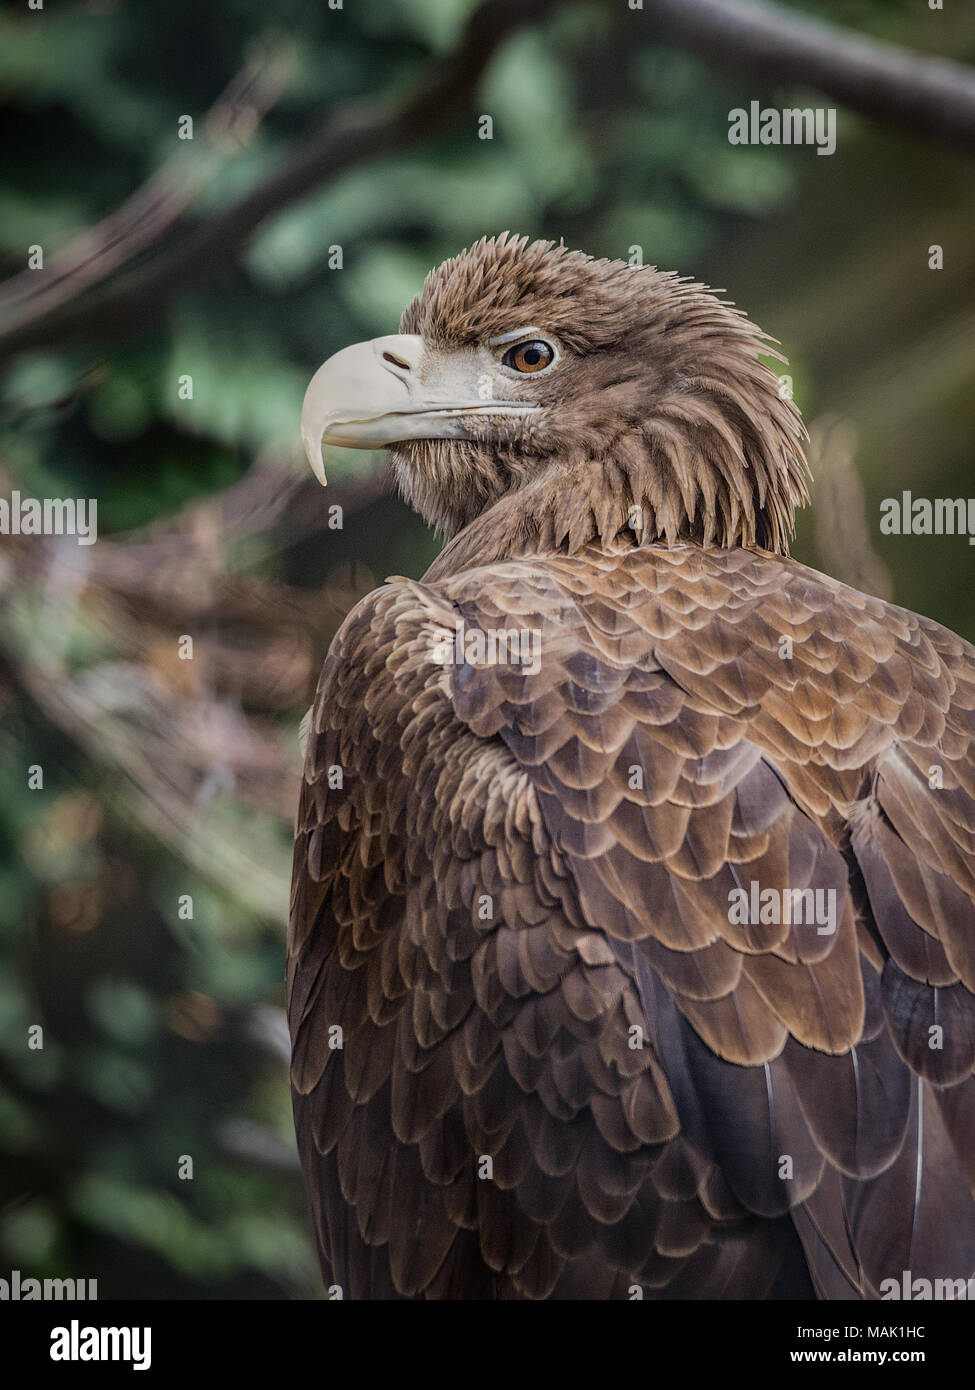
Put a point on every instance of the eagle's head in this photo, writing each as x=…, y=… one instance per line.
x=536, y=398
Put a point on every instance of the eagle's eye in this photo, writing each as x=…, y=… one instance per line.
x=533, y=356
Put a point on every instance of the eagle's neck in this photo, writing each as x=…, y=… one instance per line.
x=659, y=485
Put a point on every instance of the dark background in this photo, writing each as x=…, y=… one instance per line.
x=164, y=1035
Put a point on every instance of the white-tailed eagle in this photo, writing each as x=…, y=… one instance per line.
x=632, y=946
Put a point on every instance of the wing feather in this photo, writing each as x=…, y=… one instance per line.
x=568, y=1061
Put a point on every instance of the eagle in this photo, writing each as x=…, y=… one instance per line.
x=632, y=934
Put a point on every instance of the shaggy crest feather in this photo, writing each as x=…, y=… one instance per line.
x=665, y=424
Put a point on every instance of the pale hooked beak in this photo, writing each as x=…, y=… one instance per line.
x=368, y=396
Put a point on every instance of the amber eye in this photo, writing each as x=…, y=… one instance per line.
x=533, y=356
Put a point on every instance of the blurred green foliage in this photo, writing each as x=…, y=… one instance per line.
x=158, y=1039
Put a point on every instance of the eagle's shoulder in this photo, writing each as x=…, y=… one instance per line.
x=555, y=803
x=823, y=677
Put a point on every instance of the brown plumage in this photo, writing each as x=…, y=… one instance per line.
x=509, y=876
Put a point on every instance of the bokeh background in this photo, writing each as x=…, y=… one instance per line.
x=169, y=784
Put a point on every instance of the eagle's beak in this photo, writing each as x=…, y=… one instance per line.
x=369, y=396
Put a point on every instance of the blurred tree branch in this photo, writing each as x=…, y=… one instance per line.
x=349, y=137
x=94, y=289
x=192, y=748
x=36, y=297
x=929, y=95
x=843, y=540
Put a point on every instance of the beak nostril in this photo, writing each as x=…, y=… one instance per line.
x=396, y=361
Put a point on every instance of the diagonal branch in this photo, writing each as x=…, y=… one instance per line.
x=153, y=209
x=932, y=96
x=350, y=137
x=929, y=95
